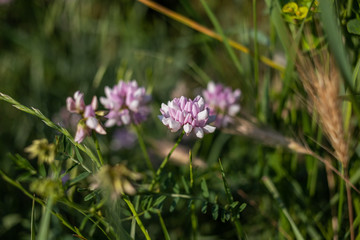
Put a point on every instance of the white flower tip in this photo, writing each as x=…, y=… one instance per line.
x=234, y=109
x=199, y=132
x=187, y=128
x=99, y=129
x=94, y=103
x=203, y=115
x=209, y=129
x=211, y=87
x=92, y=122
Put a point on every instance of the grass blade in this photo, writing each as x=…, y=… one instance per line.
x=36, y=112
x=32, y=228
x=194, y=25
x=274, y=192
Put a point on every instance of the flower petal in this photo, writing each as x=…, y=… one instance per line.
x=94, y=103
x=187, y=128
x=199, y=132
x=203, y=115
x=70, y=105
x=209, y=129
x=92, y=122
x=99, y=129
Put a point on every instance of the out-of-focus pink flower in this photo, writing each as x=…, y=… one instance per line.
x=123, y=138
x=89, y=121
x=127, y=104
x=223, y=102
x=187, y=114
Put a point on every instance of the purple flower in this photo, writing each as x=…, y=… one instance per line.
x=89, y=121
x=223, y=102
x=127, y=104
x=187, y=114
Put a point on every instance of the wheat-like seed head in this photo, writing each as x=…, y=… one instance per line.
x=321, y=81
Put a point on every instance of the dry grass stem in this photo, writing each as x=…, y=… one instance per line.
x=269, y=137
x=266, y=136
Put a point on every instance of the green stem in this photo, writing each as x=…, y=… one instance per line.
x=163, y=226
x=350, y=205
x=97, y=145
x=45, y=220
x=341, y=199
x=143, y=148
x=256, y=54
x=165, y=161
x=138, y=220
x=348, y=9
x=194, y=221
x=274, y=192
x=230, y=199
x=238, y=228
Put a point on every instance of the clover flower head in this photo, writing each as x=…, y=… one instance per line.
x=187, y=114
x=89, y=121
x=223, y=102
x=127, y=103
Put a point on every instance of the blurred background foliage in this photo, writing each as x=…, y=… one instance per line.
x=50, y=49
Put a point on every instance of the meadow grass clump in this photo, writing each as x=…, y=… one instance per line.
x=242, y=122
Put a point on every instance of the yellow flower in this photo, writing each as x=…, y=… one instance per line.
x=290, y=7
x=42, y=149
x=301, y=13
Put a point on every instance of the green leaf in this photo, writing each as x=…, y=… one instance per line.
x=150, y=200
x=204, y=207
x=204, y=188
x=173, y=204
x=78, y=155
x=159, y=201
x=42, y=170
x=147, y=215
x=186, y=187
x=234, y=204
x=353, y=26
x=90, y=196
x=215, y=211
x=24, y=177
x=79, y=178
x=242, y=207
x=225, y=216
x=22, y=163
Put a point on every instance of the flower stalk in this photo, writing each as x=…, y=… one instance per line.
x=165, y=161
x=143, y=149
